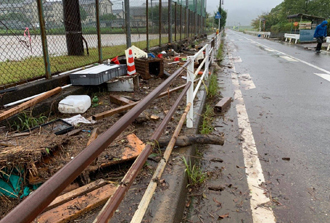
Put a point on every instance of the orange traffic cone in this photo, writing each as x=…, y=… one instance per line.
x=115, y=60
x=130, y=64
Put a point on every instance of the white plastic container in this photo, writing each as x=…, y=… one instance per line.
x=74, y=104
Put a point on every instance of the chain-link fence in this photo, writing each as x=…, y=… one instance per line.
x=40, y=38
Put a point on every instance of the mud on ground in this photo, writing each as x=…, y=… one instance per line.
x=41, y=153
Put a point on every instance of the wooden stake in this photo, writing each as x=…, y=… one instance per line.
x=29, y=103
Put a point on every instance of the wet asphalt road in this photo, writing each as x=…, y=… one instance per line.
x=289, y=112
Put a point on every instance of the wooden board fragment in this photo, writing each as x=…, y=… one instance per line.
x=78, y=206
x=119, y=100
x=129, y=106
x=75, y=193
x=29, y=103
x=135, y=147
x=93, y=136
x=223, y=104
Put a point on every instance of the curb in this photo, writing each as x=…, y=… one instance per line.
x=168, y=205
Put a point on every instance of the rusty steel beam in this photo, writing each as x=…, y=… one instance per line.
x=34, y=204
x=113, y=203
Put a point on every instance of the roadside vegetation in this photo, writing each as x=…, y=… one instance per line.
x=276, y=20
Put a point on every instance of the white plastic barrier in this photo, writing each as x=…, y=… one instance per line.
x=263, y=34
x=210, y=53
x=292, y=36
x=328, y=41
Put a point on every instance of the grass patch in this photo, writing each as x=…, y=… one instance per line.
x=195, y=175
x=33, y=67
x=208, y=115
x=26, y=122
x=213, y=86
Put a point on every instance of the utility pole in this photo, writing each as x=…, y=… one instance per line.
x=220, y=15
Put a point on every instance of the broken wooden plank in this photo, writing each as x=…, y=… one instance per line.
x=75, y=193
x=129, y=106
x=133, y=149
x=29, y=103
x=93, y=136
x=223, y=104
x=73, y=132
x=119, y=100
x=193, y=139
x=78, y=206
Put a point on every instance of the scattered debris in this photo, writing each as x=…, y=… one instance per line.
x=223, y=104
x=119, y=100
x=224, y=216
x=74, y=104
x=74, y=208
x=217, y=187
x=149, y=66
x=15, y=110
x=286, y=158
x=193, y=139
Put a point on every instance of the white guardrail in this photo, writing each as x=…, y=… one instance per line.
x=263, y=34
x=327, y=40
x=210, y=53
x=291, y=36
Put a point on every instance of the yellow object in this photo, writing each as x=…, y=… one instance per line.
x=217, y=31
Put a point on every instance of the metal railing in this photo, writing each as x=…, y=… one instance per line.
x=192, y=73
x=33, y=205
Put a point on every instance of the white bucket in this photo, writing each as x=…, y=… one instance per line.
x=74, y=104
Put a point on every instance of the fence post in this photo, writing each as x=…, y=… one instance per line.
x=128, y=24
x=147, y=22
x=207, y=62
x=98, y=28
x=190, y=92
x=187, y=19
x=44, y=39
x=181, y=22
x=160, y=23
x=175, y=23
x=170, y=21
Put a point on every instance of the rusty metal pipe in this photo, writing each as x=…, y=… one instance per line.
x=33, y=205
x=113, y=203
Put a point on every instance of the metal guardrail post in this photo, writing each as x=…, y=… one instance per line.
x=44, y=39
x=190, y=92
x=98, y=28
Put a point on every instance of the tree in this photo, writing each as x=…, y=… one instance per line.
x=223, y=19
x=108, y=17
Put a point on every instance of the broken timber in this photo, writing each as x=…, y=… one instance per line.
x=129, y=106
x=193, y=139
x=75, y=193
x=78, y=206
x=28, y=104
x=223, y=104
x=119, y=100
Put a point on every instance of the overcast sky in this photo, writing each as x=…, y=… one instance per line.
x=242, y=11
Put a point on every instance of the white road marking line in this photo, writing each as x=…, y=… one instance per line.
x=324, y=76
x=289, y=58
x=247, y=81
x=260, y=204
x=308, y=64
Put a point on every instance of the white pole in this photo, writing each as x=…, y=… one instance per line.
x=207, y=62
x=190, y=92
